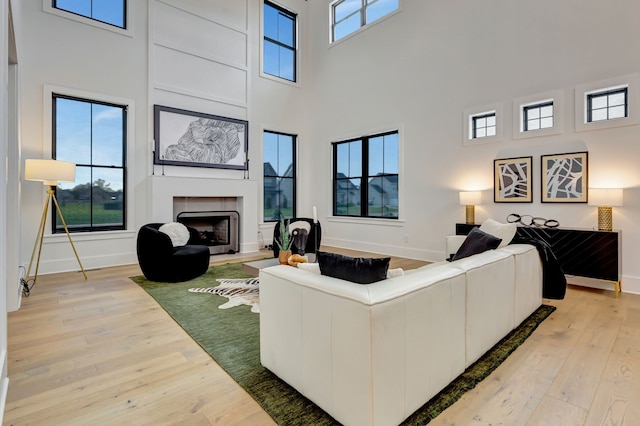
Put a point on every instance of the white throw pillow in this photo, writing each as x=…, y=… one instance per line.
x=178, y=233
x=311, y=267
x=504, y=231
x=397, y=272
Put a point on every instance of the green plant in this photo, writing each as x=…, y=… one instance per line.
x=285, y=240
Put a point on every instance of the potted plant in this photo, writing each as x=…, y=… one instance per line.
x=284, y=243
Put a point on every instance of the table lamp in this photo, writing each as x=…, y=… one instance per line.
x=470, y=199
x=605, y=198
x=49, y=172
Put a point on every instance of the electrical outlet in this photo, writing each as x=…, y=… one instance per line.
x=406, y=238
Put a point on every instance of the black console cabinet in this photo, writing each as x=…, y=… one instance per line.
x=582, y=252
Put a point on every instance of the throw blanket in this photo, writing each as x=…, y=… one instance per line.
x=554, y=283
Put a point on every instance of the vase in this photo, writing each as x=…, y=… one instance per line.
x=283, y=257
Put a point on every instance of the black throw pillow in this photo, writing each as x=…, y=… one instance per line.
x=476, y=242
x=359, y=270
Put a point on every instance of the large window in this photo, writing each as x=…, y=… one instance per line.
x=279, y=176
x=347, y=16
x=112, y=12
x=607, y=105
x=365, y=181
x=279, y=57
x=92, y=135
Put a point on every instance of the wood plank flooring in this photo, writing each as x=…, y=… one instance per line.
x=102, y=352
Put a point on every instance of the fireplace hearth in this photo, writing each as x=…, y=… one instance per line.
x=218, y=229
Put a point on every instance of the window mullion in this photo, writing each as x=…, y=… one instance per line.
x=364, y=185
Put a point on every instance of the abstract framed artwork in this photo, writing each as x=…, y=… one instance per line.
x=188, y=138
x=512, y=180
x=564, y=177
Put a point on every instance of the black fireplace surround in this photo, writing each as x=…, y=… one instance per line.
x=219, y=230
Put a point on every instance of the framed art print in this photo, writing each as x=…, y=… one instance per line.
x=564, y=178
x=512, y=180
x=188, y=138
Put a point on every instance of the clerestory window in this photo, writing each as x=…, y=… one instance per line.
x=279, y=48
x=112, y=12
x=348, y=16
x=483, y=125
x=537, y=116
x=607, y=105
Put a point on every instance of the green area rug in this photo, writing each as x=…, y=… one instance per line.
x=231, y=337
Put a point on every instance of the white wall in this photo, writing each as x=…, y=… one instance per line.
x=421, y=68
x=75, y=57
x=193, y=55
x=7, y=135
x=416, y=71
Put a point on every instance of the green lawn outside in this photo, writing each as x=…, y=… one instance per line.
x=80, y=215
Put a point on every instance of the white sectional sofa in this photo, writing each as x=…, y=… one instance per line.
x=373, y=354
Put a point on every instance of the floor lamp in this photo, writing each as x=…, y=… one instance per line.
x=49, y=172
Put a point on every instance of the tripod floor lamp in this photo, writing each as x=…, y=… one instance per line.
x=49, y=172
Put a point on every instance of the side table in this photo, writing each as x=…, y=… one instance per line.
x=582, y=252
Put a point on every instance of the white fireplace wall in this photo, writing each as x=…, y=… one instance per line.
x=201, y=204
x=165, y=188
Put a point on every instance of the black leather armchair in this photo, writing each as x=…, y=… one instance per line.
x=161, y=261
x=313, y=238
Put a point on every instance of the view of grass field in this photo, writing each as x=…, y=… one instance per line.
x=79, y=215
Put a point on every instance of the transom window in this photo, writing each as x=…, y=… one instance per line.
x=483, y=125
x=279, y=183
x=279, y=57
x=112, y=12
x=607, y=105
x=365, y=179
x=92, y=135
x=350, y=15
x=538, y=116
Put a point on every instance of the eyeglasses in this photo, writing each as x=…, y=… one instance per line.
x=528, y=220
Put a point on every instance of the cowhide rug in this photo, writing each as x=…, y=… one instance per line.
x=239, y=291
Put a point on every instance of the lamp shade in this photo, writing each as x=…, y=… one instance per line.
x=50, y=172
x=470, y=198
x=605, y=196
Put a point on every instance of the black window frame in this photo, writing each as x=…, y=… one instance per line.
x=525, y=115
x=293, y=177
x=364, y=177
x=362, y=10
x=293, y=48
x=54, y=214
x=474, y=125
x=125, y=18
x=607, y=94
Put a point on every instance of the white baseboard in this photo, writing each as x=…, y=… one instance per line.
x=408, y=252
x=88, y=263
x=249, y=247
x=4, y=384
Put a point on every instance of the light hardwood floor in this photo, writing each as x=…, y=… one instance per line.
x=102, y=352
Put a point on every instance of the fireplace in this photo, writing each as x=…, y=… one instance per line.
x=217, y=229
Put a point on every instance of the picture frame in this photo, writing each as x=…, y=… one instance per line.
x=195, y=139
x=512, y=180
x=564, y=177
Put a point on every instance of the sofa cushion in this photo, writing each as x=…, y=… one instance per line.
x=504, y=231
x=178, y=233
x=476, y=242
x=359, y=270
